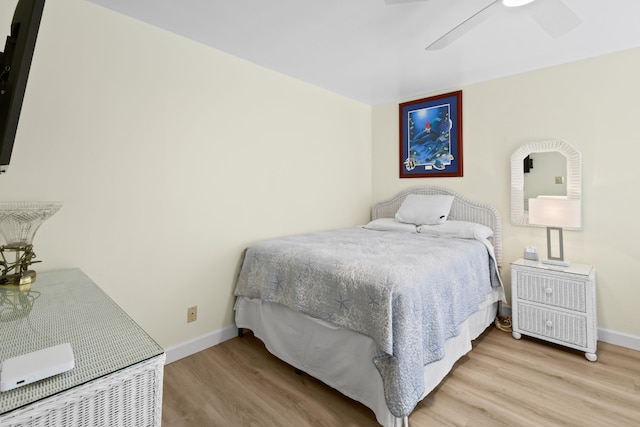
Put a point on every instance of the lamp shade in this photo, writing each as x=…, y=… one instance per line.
x=555, y=212
x=19, y=221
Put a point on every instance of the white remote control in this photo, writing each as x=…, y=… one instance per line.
x=35, y=366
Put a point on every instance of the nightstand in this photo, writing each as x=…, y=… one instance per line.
x=555, y=304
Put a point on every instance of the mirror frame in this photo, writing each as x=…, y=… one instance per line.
x=574, y=176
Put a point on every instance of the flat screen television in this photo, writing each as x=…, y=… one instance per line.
x=15, y=62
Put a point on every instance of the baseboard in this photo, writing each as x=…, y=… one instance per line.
x=619, y=338
x=203, y=342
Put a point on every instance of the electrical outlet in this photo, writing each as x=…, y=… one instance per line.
x=192, y=314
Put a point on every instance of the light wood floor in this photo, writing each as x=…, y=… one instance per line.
x=502, y=382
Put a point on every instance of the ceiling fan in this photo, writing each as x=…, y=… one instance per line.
x=553, y=16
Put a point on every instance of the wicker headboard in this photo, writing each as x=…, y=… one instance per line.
x=462, y=209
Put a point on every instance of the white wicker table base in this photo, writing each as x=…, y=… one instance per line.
x=129, y=397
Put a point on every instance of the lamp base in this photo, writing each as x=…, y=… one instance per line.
x=24, y=256
x=25, y=278
x=557, y=263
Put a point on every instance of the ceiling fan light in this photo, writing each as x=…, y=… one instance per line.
x=515, y=3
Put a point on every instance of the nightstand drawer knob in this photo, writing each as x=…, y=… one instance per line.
x=549, y=323
x=549, y=291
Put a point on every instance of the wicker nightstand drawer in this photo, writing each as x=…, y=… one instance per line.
x=552, y=290
x=561, y=326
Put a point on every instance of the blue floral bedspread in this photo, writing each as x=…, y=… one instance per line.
x=408, y=292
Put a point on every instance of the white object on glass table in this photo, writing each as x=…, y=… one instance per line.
x=35, y=366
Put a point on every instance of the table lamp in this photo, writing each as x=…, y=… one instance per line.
x=555, y=212
x=19, y=222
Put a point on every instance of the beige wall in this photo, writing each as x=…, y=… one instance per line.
x=172, y=157
x=593, y=106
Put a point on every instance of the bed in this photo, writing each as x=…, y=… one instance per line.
x=380, y=312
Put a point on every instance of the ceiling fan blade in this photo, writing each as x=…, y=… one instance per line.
x=462, y=28
x=554, y=17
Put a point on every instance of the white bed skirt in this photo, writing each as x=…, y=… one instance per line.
x=341, y=358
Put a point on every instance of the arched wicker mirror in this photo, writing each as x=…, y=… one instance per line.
x=572, y=177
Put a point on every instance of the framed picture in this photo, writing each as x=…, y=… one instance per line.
x=431, y=137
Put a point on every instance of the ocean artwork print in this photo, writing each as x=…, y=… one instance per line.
x=431, y=137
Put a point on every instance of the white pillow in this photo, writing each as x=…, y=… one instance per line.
x=458, y=229
x=390, y=224
x=425, y=209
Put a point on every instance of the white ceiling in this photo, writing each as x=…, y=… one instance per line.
x=375, y=53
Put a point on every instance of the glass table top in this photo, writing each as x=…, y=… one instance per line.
x=66, y=306
x=573, y=268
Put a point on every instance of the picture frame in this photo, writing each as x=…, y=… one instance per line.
x=431, y=137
